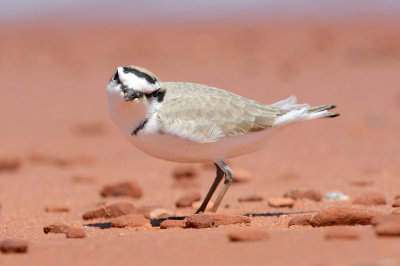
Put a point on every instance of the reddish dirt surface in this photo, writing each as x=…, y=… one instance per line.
x=54, y=120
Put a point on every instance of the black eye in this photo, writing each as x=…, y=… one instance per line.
x=155, y=94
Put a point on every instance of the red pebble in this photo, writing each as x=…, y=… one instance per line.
x=248, y=235
x=343, y=216
x=168, y=224
x=128, y=189
x=110, y=211
x=301, y=220
x=55, y=228
x=251, y=198
x=131, y=220
x=9, y=163
x=14, y=246
x=184, y=172
x=226, y=219
x=396, y=204
x=56, y=209
x=370, y=198
x=281, y=202
x=310, y=194
x=188, y=199
x=200, y=221
x=74, y=232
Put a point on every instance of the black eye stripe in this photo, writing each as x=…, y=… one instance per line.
x=140, y=74
x=157, y=94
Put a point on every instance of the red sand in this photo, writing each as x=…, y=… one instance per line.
x=53, y=106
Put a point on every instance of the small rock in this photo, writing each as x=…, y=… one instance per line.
x=200, y=221
x=129, y=189
x=341, y=232
x=9, y=163
x=131, y=220
x=396, y=212
x=336, y=195
x=397, y=197
x=301, y=220
x=160, y=213
x=248, y=235
x=370, y=198
x=396, y=204
x=310, y=194
x=342, y=216
x=74, y=232
x=281, y=202
x=388, y=229
x=226, y=219
x=55, y=228
x=241, y=176
x=251, y=198
x=168, y=224
x=56, y=209
x=383, y=219
x=14, y=246
x=110, y=211
x=188, y=199
x=184, y=172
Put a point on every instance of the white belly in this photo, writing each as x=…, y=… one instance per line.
x=174, y=149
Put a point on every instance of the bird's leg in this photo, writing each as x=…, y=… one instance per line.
x=228, y=173
x=217, y=180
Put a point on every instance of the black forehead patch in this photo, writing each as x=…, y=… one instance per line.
x=140, y=74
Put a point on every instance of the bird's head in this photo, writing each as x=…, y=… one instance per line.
x=133, y=83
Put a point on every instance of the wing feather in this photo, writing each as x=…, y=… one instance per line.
x=204, y=114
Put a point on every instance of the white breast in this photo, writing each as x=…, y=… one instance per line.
x=171, y=148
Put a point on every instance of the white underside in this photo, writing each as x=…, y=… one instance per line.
x=171, y=148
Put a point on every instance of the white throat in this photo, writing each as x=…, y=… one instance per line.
x=129, y=115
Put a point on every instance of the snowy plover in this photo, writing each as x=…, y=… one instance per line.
x=187, y=122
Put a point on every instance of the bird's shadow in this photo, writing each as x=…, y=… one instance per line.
x=157, y=222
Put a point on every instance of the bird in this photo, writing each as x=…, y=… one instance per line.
x=195, y=123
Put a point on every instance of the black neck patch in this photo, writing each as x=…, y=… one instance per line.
x=140, y=74
x=139, y=127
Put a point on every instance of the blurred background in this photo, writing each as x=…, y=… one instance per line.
x=56, y=58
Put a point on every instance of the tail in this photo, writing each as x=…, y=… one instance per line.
x=298, y=112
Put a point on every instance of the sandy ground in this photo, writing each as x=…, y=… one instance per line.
x=53, y=105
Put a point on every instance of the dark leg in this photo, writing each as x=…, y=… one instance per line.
x=217, y=180
x=228, y=180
